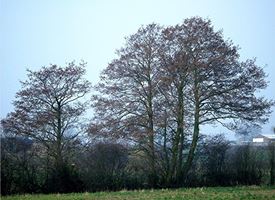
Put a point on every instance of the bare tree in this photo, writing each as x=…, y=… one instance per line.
x=48, y=108
x=210, y=80
x=127, y=93
x=168, y=82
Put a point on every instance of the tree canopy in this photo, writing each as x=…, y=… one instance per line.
x=168, y=81
x=48, y=109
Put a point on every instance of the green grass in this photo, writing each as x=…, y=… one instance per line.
x=215, y=193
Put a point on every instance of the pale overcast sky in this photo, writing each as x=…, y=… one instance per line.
x=35, y=33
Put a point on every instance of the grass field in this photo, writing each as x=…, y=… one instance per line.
x=264, y=193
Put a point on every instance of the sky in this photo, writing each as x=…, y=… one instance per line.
x=36, y=33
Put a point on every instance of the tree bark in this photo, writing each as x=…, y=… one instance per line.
x=166, y=156
x=176, y=143
x=152, y=157
x=59, y=158
x=196, y=130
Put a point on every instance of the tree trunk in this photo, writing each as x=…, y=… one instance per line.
x=193, y=146
x=59, y=158
x=176, y=143
x=180, y=170
x=166, y=156
x=152, y=157
x=196, y=130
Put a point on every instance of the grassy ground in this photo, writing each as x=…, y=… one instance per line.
x=217, y=193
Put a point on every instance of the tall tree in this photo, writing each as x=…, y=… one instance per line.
x=169, y=82
x=204, y=76
x=174, y=79
x=125, y=105
x=48, y=109
x=222, y=87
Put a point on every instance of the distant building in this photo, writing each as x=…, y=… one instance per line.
x=263, y=139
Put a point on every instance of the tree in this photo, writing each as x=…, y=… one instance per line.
x=204, y=82
x=174, y=79
x=218, y=86
x=213, y=158
x=168, y=82
x=48, y=109
x=125, y=105
x=248, y=164
x=103, y=167
x=18, y=166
